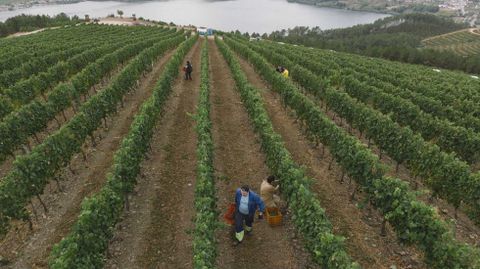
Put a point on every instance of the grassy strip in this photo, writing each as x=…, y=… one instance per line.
x=309, y=217
x=85, y=246
x=413, y=221
x=204, y=244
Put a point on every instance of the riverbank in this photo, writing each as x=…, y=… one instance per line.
x=245, y=16
x=447, y=9
x=341, y=5
x=11, y=5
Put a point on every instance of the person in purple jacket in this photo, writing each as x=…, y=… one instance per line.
x=246, y=202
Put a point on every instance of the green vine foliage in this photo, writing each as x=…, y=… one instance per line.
x=28, y=120
x=413, y=221
x=462, y=140
x=70, y=62
x=327, y=249
x=51, y=50
x=31, y=172
x=206, y=218
x=86, y=244
x=446, y=175
x=435, y=93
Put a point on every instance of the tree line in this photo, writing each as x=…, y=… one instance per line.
x=23, y=23
x=395, y=38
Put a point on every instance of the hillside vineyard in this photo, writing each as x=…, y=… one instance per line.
x=110, y=158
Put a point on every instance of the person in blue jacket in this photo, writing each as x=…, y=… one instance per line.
x=246, y=202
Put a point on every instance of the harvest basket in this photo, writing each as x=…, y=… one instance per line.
x=274, y=216
x=229, y=216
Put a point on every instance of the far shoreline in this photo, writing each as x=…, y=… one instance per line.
x=224, y=15
x=16, y=7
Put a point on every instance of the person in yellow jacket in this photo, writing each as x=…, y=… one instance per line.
x=282, y=70
x=268, y=192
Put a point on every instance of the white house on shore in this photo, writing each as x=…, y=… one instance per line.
x=204, y=31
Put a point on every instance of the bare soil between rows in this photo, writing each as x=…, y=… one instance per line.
x=465, y=229
x=238, y=160
x=361, y=228
x=155, y=232
x=60, y=119
x=25, y=248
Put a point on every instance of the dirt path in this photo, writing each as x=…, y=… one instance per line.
x=30, y=249
x=32, y=32
x=471, y=30
x=474, y=31
x=361, y=228
x=154, y=233
x=238, y=160
x=127, y=21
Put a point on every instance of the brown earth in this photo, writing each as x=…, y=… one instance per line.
x=24, y=248
x=465, y=229
x=361, y=228
x=60, y=119
x=238, y=160
x=155, y=232
x=123, y=21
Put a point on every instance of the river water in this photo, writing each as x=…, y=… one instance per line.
x=245, y=15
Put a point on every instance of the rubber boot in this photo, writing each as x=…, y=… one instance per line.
x=239, y=237
x=248, y=230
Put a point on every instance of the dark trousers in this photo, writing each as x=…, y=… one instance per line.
x=188, y=75
x=239, y=218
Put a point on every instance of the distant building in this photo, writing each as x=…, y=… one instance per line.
x=205, y=31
